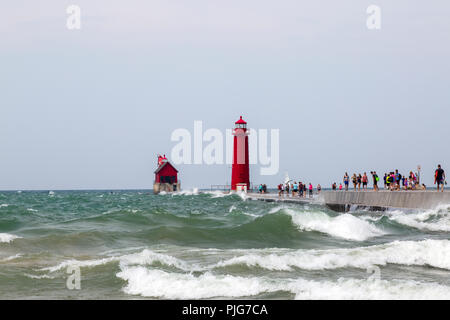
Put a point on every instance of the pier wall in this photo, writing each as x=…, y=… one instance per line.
x=382, y=200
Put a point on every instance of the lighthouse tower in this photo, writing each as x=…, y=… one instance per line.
x=240, y=172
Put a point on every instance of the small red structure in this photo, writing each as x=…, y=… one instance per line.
x=166, y=176
x=240, y=172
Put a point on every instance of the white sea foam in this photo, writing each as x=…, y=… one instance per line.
x=4, y=205
x=132, y=210
x=145, y=257
x=80, y=263
x=44, y=276
x=233, y=207
x=10, y=258
x=435, y=253
x=242, y=195
x=251, y=214
x=7, y=238
x=158, y=283
x=192, y=192
x=218, y=194
x=148, y=257
x=161, y=284
x=277, y=209
x=432, y=220
x=344, y=226
x=362, y=289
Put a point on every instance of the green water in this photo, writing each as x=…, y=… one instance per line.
x=135, y=245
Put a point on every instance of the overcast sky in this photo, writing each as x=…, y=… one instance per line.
x=91, y=108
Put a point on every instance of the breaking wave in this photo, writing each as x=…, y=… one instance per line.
x=345, y=226
x=161, y=284
x=434, y=253
x=430, y=220
x=7, y=238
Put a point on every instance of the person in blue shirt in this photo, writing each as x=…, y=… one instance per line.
x=294, y=189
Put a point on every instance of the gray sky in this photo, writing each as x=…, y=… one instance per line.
x=91, y=108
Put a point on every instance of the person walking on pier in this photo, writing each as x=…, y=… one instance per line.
x=346, y=181
x=365, y=181
x=375, y=180
x=439, y=178
x=354, y=180
x=294, y=189
x=398, y=178
x=359, y=179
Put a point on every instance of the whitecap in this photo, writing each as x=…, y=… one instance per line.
x=437, y=219
x=7, y=238
x=10, y=258
x=80, y=263
x=345, y=226
x=434, y=253
x=368, y=289
x=44, y=276
x=192, y=192
x=161, y=284
x=169, y=285
x=145, y=257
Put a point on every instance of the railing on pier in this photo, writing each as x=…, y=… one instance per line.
x=226, y=187
x=220, y=187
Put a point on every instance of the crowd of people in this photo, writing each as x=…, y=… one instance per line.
x=262, y=188
x=393, y=180
x=299, y=189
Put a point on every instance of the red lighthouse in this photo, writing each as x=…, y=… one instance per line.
x=166, y=176
x=240, y=174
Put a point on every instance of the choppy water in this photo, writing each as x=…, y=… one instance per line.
x=132, y=245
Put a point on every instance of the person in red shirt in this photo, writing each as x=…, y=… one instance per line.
x=439, y=178
x=365, y=180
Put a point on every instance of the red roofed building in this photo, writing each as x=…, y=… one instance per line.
x=166, y=176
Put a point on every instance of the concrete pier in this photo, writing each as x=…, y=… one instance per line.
x=273, y=197
x=384, y=199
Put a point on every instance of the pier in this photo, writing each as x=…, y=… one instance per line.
x=384, y=199
x=274, y=197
